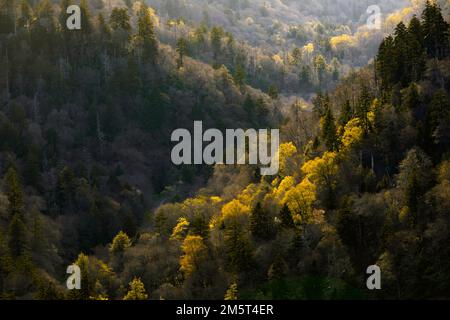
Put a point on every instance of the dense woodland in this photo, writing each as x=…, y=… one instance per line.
x=86, y=175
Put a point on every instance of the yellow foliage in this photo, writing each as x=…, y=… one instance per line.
x=194, y=252
x=321, y=169
x=277, y=59
x=180, y=230
x=286, y=184
x=286, y=152
x=250, y=195
x=343, y=40
x=309, y=48
x=300, y=200
x=353, y=133
x=235, y=211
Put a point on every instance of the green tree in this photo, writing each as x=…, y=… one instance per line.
x=216, y=36
x=182, y=48
x=239, y=76
x=146, y=34
x=272, y=91
x=261, y=225
x=14, y=193
x=328, y=127
x=286, y=218
x=435, y=31
x=17, y=237
x=346, y=113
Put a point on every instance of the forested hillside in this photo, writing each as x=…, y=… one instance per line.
x=85, y=124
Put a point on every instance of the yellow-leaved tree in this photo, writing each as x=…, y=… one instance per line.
x=194, y=253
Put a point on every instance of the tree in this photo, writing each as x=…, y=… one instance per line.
x=146, y=34
x=414, y=180
x=260, y=223
x=17, y=236
x=286, y=217
x=136, y=291
x=273, y=92
x=194, y=254
x=232, y=292
x=435, y=31
x=320, y=65
x=346, y=113
x=328, y=128
x=182, y=49
x=239, y=76
x=278, y=268
x=180, y=230
x=14, y=193
x=120, y=19
x=120, y=243
x=86, y=25
x=216, y=41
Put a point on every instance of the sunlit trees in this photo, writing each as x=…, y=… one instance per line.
x=195, y=253
x=146, y=34
x=322, y=173
x=136, y=291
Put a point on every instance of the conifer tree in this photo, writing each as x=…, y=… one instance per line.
x=286, y=218
x=260, y=223
x=328, y=128
x=435, y=31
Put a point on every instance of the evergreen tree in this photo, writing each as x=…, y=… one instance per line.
x=435, y=31
x=14, y=193
x=273, y=92
x=182, y=48
x=260, y=223
x=286, y=218
x=328, y=128
x=146, y=34
x=346, y=113
x=17, y=234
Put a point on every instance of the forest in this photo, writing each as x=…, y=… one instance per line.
x=86, y=176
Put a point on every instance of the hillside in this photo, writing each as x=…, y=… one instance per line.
x=86, y=119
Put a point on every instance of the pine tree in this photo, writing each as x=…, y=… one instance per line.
x=386, y=64
x=328, y=128
x=363, y=108
x=435, y=31
x=416, y=51
x=216, y=41
x=239, y=76
x=238, y=249
x=346, y=113
x=17, y=234
x=14, y=193
x=146, y=34
x=120, y=19
x=273, y=92
x=286, y=218
x=86, y=25
x=260, y=223
x=182, y=48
